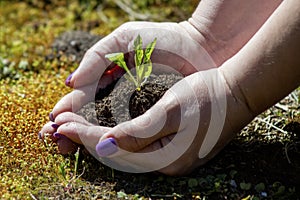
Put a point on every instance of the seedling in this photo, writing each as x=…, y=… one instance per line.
x=68, y=179
x=143, y=64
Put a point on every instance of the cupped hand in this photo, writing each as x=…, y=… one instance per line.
x=175, y=50
x=187, y=126
x=216, y=32
x=184, y=129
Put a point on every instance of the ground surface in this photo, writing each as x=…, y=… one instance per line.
x=263, y=162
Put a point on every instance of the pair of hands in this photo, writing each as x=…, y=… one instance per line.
x=186, y=128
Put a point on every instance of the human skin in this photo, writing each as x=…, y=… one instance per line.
x=253, y=81
x=270, y=56
x=206, y=26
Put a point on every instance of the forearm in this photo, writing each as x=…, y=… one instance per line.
x=226, y=26
x=268, y=66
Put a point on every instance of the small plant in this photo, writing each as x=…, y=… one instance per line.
x=143, y=64
x=68, y=179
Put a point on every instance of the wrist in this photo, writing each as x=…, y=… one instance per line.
x=267, y=68
x=225, y=27
x=239, y=110
x=214, y=48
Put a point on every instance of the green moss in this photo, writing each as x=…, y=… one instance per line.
x=30, y=86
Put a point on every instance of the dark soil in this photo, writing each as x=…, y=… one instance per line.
x=120, y=101
x=275, y=165
x=125, y=102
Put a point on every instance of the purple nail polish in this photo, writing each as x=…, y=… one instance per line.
x=57, y=135
x=51, y=117
x=68, y=80
x=55, y=126
x=107, y=147
x=40, y=136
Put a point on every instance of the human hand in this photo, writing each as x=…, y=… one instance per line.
x=219, y=28
x=93, y=63
x=183, y=130
x=175, y=50
x=165, y=54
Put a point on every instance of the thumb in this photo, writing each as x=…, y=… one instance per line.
x=159, y=121
x=94, y=62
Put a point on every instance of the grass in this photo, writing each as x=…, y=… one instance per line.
x=261, y=163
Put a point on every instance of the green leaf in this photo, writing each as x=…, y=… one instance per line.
x=233, y=173
x=147, y=70
x=260, y=187
x=148, y=51
x=121, y=194
x=138, y=57
x=245, y=186
x=129, y=78
x=76, y=162
x=247, y=197
x=138, y=43
x=140, y=73
x=280, y=190
x=117, y=58
x=144, y=72
x=62, y=171
x=192, y=182
x=143, y=64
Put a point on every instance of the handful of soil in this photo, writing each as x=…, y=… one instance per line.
x=120, y=101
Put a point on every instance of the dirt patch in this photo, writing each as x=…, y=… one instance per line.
x=259, y=169
x=73, y=45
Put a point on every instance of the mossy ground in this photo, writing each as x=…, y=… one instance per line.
x=31, y=85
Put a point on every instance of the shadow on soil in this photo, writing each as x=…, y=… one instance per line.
x=266, y=171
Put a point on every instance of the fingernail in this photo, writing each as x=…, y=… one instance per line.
x=51, y=117
x=107, y=147
x=40, y=136
x=55, y=126
x=57, y=135
x=68, y=80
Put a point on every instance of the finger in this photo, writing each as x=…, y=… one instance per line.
x=82, y=133
x=70, y=117
x=158, y=144
x=47, y=130
x=66, y=146
x=75, y=100
x=79, y=133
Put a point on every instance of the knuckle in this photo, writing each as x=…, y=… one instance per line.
x=61, y=118
x=126, y=26
x=90, y=53
x=129, y=142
